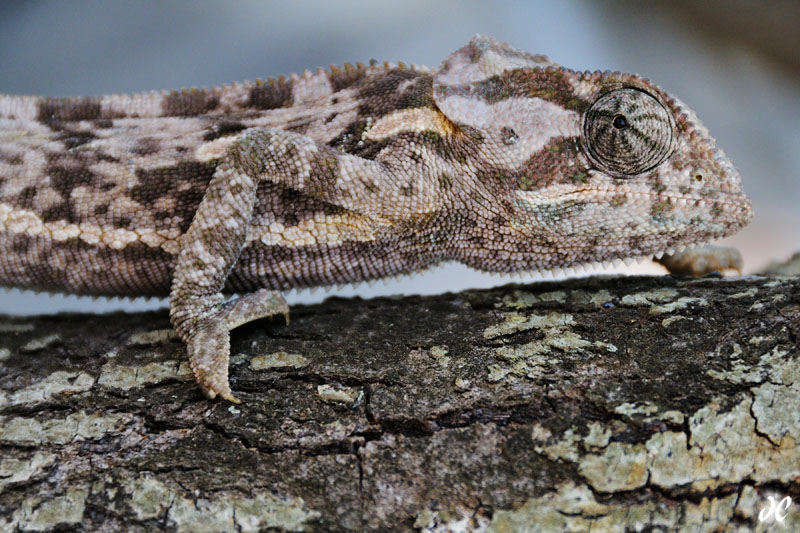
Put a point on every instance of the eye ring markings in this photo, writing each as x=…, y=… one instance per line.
x=627, y=132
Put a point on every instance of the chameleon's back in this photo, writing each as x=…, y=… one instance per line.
x=96, y=192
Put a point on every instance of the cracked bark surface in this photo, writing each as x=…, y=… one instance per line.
x=610, y=404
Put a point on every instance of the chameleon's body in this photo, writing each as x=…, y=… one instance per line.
x=499, y=159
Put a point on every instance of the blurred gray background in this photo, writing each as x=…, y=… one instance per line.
x=737, y=63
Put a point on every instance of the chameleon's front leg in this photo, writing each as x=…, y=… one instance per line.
x=214, y=241
x=209, y=250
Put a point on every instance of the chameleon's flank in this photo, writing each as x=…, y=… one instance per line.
x=499, y=159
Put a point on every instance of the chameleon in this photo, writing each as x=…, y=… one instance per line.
x=220, y=198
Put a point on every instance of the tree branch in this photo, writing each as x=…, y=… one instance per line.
x=597, y=403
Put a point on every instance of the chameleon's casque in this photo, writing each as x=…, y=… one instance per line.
x=499, y=159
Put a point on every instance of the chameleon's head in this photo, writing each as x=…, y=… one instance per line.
x=585, y=166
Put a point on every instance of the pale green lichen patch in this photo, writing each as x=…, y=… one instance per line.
x=661, y=301
x=151, y=499
x=598, y=437
x=723, y=447
x=747, y=506
x=449, y=521
x=619, y=467
x=31, y=432
x=515, y=323
x=439, y=353
x=337, y=394
x=436, y=353
x=497, y=373
x=676, y=417
x=565, y=448
x=759, y=339
x=778, y=298
x=17, y=470
x=573, y=508
x=156, y=336
x=648, y=412
x=776, y=366
x=776, y=409
x=278, y=360
x=34, y=345
x=638, y=408
x=672, y=319
x=462, y=384
x=681, y=303
x=595, y=299
x=669, y=462
x=531, y=360
x=122, y=377
x=749, y=293
x=526, y=361
x=728, y=449
x=59, y=382
x=524, y=299
x=35, y=515
x=648, y=298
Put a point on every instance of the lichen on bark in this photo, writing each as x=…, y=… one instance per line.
x=610, y=404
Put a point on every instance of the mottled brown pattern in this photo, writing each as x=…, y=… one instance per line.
x=185, y=184
x=74, y=138
x=351, y=262
x=555, y=163
x=132, y=271
x=271, y=94
x=66, y=172
x=347, y=76
x=396, y=89
x=372, y=171
x=10, y=158
x=189, y=102
x=146, y=146
x=351, y=142
x=324, y=172
x=223, y=128
x=551, y=84
x=68, y=109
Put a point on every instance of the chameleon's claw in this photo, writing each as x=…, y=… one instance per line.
x=286, y=317
x=225, y=393
x=212, y=389
x=230, y=397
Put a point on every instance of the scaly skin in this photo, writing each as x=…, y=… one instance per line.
x=499, y=159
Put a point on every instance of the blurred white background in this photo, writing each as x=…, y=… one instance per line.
x=737, y=63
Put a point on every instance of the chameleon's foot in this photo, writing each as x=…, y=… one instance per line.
x=208, y=339
x=699, y=262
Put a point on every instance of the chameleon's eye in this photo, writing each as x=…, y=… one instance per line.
x=627, y=132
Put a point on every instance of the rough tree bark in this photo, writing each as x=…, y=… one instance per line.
x=610, y=404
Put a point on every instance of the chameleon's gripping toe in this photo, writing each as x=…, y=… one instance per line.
x=209, y=355
x=208, y=339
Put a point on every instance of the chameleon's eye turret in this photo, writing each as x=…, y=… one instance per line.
x=627, y=131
